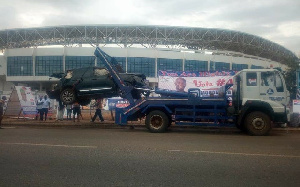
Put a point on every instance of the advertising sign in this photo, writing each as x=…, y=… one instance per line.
x=208, y=82
x=27, y=101
x=114, y=103
x=296, y=106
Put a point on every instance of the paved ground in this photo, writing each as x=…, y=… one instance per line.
x=134, y=157
x=109, y=124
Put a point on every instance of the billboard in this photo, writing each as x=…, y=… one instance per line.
x=207, y=82
x=27, y=100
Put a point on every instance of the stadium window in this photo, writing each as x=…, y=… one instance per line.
x=219, y=66
x=74, y=62
x=169, y=64
x=142, y=65
x=119, y=60
x=47, y=65
x=195, y=65
x=19, y=66
x=239, y=67
x=256, y=67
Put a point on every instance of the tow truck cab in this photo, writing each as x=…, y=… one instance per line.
x=261, y=90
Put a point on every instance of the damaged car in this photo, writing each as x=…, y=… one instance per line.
x=84, y=84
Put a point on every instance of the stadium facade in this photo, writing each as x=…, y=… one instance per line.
x=32, y=55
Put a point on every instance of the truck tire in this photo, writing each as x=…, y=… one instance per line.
x=258, y=124
x=295, y=120
x=67, y=96
x=157, y=121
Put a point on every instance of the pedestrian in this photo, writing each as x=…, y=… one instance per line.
x=69, y=112
x=39, y=108
x=45, y=106
x=2, y=104
x=99, y=105
x=60, y=111
x=76, y=111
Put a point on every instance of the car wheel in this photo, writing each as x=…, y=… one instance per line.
x=67, y=96
x=157, y=121
x=258, y=123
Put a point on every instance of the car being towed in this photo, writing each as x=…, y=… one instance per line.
x=88, y=83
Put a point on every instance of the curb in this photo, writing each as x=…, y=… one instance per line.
x=112, y=125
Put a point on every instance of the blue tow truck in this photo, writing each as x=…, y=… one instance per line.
x=259, y=102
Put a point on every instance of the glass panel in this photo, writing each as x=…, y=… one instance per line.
x=47, y=65
x=278, y=83
x=267, y=79
x=251, y=79
x=195, y=65
x=256, y=67
x=74, y=62
x=169, y=64
x=119, y=63
x=219, y=66
x=19, y=66
x=142, y=65
x=239, y=67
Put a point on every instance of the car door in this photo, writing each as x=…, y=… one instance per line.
x=84, y=86
x=102, y=84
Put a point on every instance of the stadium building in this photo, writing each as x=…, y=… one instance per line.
x=31, y=55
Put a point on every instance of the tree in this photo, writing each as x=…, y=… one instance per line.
x=290, y=76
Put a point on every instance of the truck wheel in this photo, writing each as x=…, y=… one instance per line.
x=67, y=96
x=157, y=121
x=258, y=123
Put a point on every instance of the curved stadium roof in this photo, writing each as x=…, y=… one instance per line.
x=147, y=36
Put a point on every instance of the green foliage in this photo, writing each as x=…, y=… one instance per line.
x=290, y=76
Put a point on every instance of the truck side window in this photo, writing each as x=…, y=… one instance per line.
x=251, y=79
x=267, y=79
x=278, y=83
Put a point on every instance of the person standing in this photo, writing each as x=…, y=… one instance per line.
x=60, y=111
x=69, y=112
x=2, y=104
x=76, y=111
x=99, y=105
x=39, y=108
x=45, y=106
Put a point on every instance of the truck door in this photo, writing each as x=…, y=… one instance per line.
x=272, y=87
x=251, y=87
x=266, y=85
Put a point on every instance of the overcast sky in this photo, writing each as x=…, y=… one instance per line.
x=275, y=20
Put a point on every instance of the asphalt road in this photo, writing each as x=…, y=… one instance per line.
x=124, y=157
